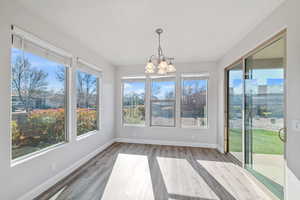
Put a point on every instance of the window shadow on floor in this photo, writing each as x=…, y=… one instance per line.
x=91, y=180
x=159, y=185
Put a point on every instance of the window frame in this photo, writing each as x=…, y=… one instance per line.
x=86, y=67
x=203, y=76
x=151, y=79
x=133, y=79
x=43, y=44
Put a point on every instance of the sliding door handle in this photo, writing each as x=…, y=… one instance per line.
x=282, y=137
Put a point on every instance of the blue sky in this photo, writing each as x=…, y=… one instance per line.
x=161, y=88
x=40, y=63
x=137, y=87
x=195, y=84
x=270, y=77
x=92, y=79
x=261, y=77
x=274, y=81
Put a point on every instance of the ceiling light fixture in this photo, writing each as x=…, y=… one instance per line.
x=160, y=63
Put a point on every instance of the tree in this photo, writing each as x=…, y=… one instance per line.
x=86, y=88
x=27, y=81
x=61, y=74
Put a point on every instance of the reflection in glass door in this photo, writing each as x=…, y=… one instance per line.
x=256, y=113
x=235, y=110
x=264, y=115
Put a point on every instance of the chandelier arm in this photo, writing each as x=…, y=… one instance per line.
x=159, y=47
x=150, y=59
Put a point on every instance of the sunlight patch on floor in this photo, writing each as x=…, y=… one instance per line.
x=224, y=172
x=131, y=175
x=181, y=179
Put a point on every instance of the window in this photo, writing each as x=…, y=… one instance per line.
x=38, y=98
x=133, y=107
x=194, y=102
x=163, y=101
x=87, y=93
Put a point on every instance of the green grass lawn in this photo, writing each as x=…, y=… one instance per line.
x=264, y=141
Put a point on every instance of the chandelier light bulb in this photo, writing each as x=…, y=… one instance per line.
x=171, y=68
x=163, y=65
x=162, y=71
x=150, y=68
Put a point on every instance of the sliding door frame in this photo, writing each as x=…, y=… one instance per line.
x=280, y=35
x=226, y=107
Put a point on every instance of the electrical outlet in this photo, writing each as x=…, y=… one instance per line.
x=296, y=125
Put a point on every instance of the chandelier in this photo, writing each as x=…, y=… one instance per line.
x=159, y=63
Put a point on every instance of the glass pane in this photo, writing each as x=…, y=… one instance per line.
x=265, y=115
x=163, y=89
x=134, y=102
x=38, y=103
x=235, y=111
x=163, y=114
x=193, y=103
x=87, y=102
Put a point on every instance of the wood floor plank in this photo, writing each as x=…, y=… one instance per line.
x=153, y=172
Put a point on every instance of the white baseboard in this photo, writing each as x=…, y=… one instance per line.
x=165, y=142
x=220, y=149
x=52, y=181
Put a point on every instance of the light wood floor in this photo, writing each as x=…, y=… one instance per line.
x=148, y=172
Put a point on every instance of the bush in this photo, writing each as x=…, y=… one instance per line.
x=86, y=120
x=42, y=127
x=39, y=127
x=46, y=125
x=134, y=115
x=16, y=134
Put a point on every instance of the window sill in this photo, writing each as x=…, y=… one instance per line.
x=86, y=135
x=154, y=126
x=36, y=154
x=134, y=125
x=157, y=126
x=197, y=128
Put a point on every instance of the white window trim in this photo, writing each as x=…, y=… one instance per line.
x=178, y=78
x=86, y=135
x=42, y=43
x=93, y=70
x=30, y=156
x=133, y=79
x=196, y=76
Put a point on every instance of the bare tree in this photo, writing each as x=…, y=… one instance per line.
x=27, y=81
x=61, y=74
x=86, y=88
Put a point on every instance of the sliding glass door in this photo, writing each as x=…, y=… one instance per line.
x=256, y=113
x=264, y=115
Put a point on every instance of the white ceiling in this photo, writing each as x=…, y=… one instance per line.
x=122, y=31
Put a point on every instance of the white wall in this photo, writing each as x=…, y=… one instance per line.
x=16, y=181
x=22, y=178
x=288, y=16
x=197, y=137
